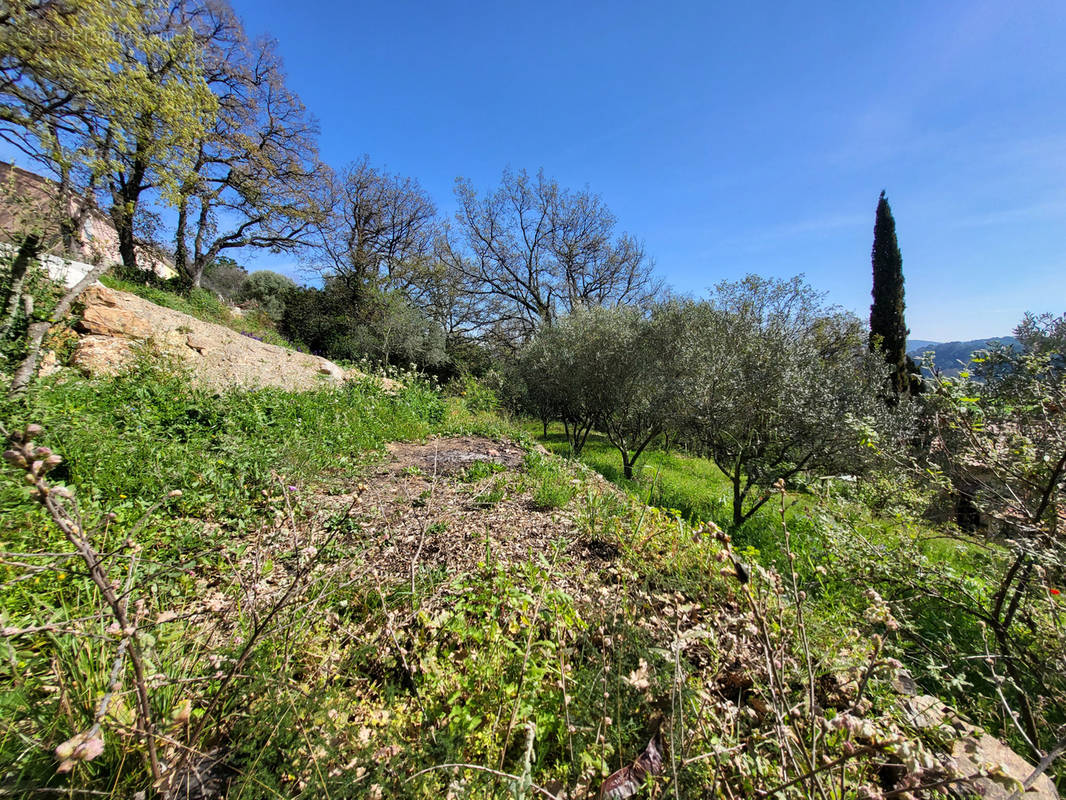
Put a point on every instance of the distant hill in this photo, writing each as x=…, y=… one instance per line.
x=953, y=357
x=919, y=344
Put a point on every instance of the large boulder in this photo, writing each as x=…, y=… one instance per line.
x=114, y=324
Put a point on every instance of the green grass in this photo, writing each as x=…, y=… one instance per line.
x=129, y=440
x=694, y=487
x=553, y=485
x=695, y=490
x=370, y=679
x=242, y=460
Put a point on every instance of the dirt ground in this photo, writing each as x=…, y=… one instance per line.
x=424, y=508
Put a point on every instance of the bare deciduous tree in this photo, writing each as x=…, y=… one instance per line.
x=378, y=228
x=541, y=251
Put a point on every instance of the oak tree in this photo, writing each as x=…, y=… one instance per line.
x=255, y=179
x=541, y=251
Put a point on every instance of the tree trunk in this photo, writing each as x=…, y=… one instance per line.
x=196, y=273
x=124, y=199
x=28, y=251
x=199, y=258
x=627, y=467
x=38, y=330
x=738, y=500
x=181, y=247
x=127, y=247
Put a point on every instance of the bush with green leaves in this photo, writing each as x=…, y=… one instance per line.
x=268, y=291
x=477, y=395
x=341, y=323
x=998, y=446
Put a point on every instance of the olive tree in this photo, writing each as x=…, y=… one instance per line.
x=550, y=366
x=615, y=369
x=780, y=384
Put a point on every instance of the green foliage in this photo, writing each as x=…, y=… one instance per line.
x=479, y=470
x=691, y=486
x=104, y=93
x=781, y=385
x=553, y=485
x=937, y=582
x=268, y=290
x=372, y=676
x=340, y=323
x=143, y=433
x=477, y=395
x=1004, y=437
x=610, y=367
x=491, y=495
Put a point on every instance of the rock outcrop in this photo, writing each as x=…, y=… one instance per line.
x=992, y=770
x=115, y=323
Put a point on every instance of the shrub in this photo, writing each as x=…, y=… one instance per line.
x=267, y=290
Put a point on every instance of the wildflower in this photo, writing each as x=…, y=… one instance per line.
x=638, y=678
x=291, y=488
x=1054, y=591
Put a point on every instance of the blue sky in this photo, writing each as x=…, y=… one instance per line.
x=730, y=137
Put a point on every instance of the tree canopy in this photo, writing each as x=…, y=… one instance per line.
x=783, y=384
x=108, y=96
x=255, y=178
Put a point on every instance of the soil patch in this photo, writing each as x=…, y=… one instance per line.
x=421, y=512
x=452, y=456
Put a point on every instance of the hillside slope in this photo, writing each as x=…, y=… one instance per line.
x=320, y=614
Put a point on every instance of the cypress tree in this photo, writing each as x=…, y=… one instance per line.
x=888, y=331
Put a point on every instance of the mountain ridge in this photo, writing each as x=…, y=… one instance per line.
x=951, y=358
